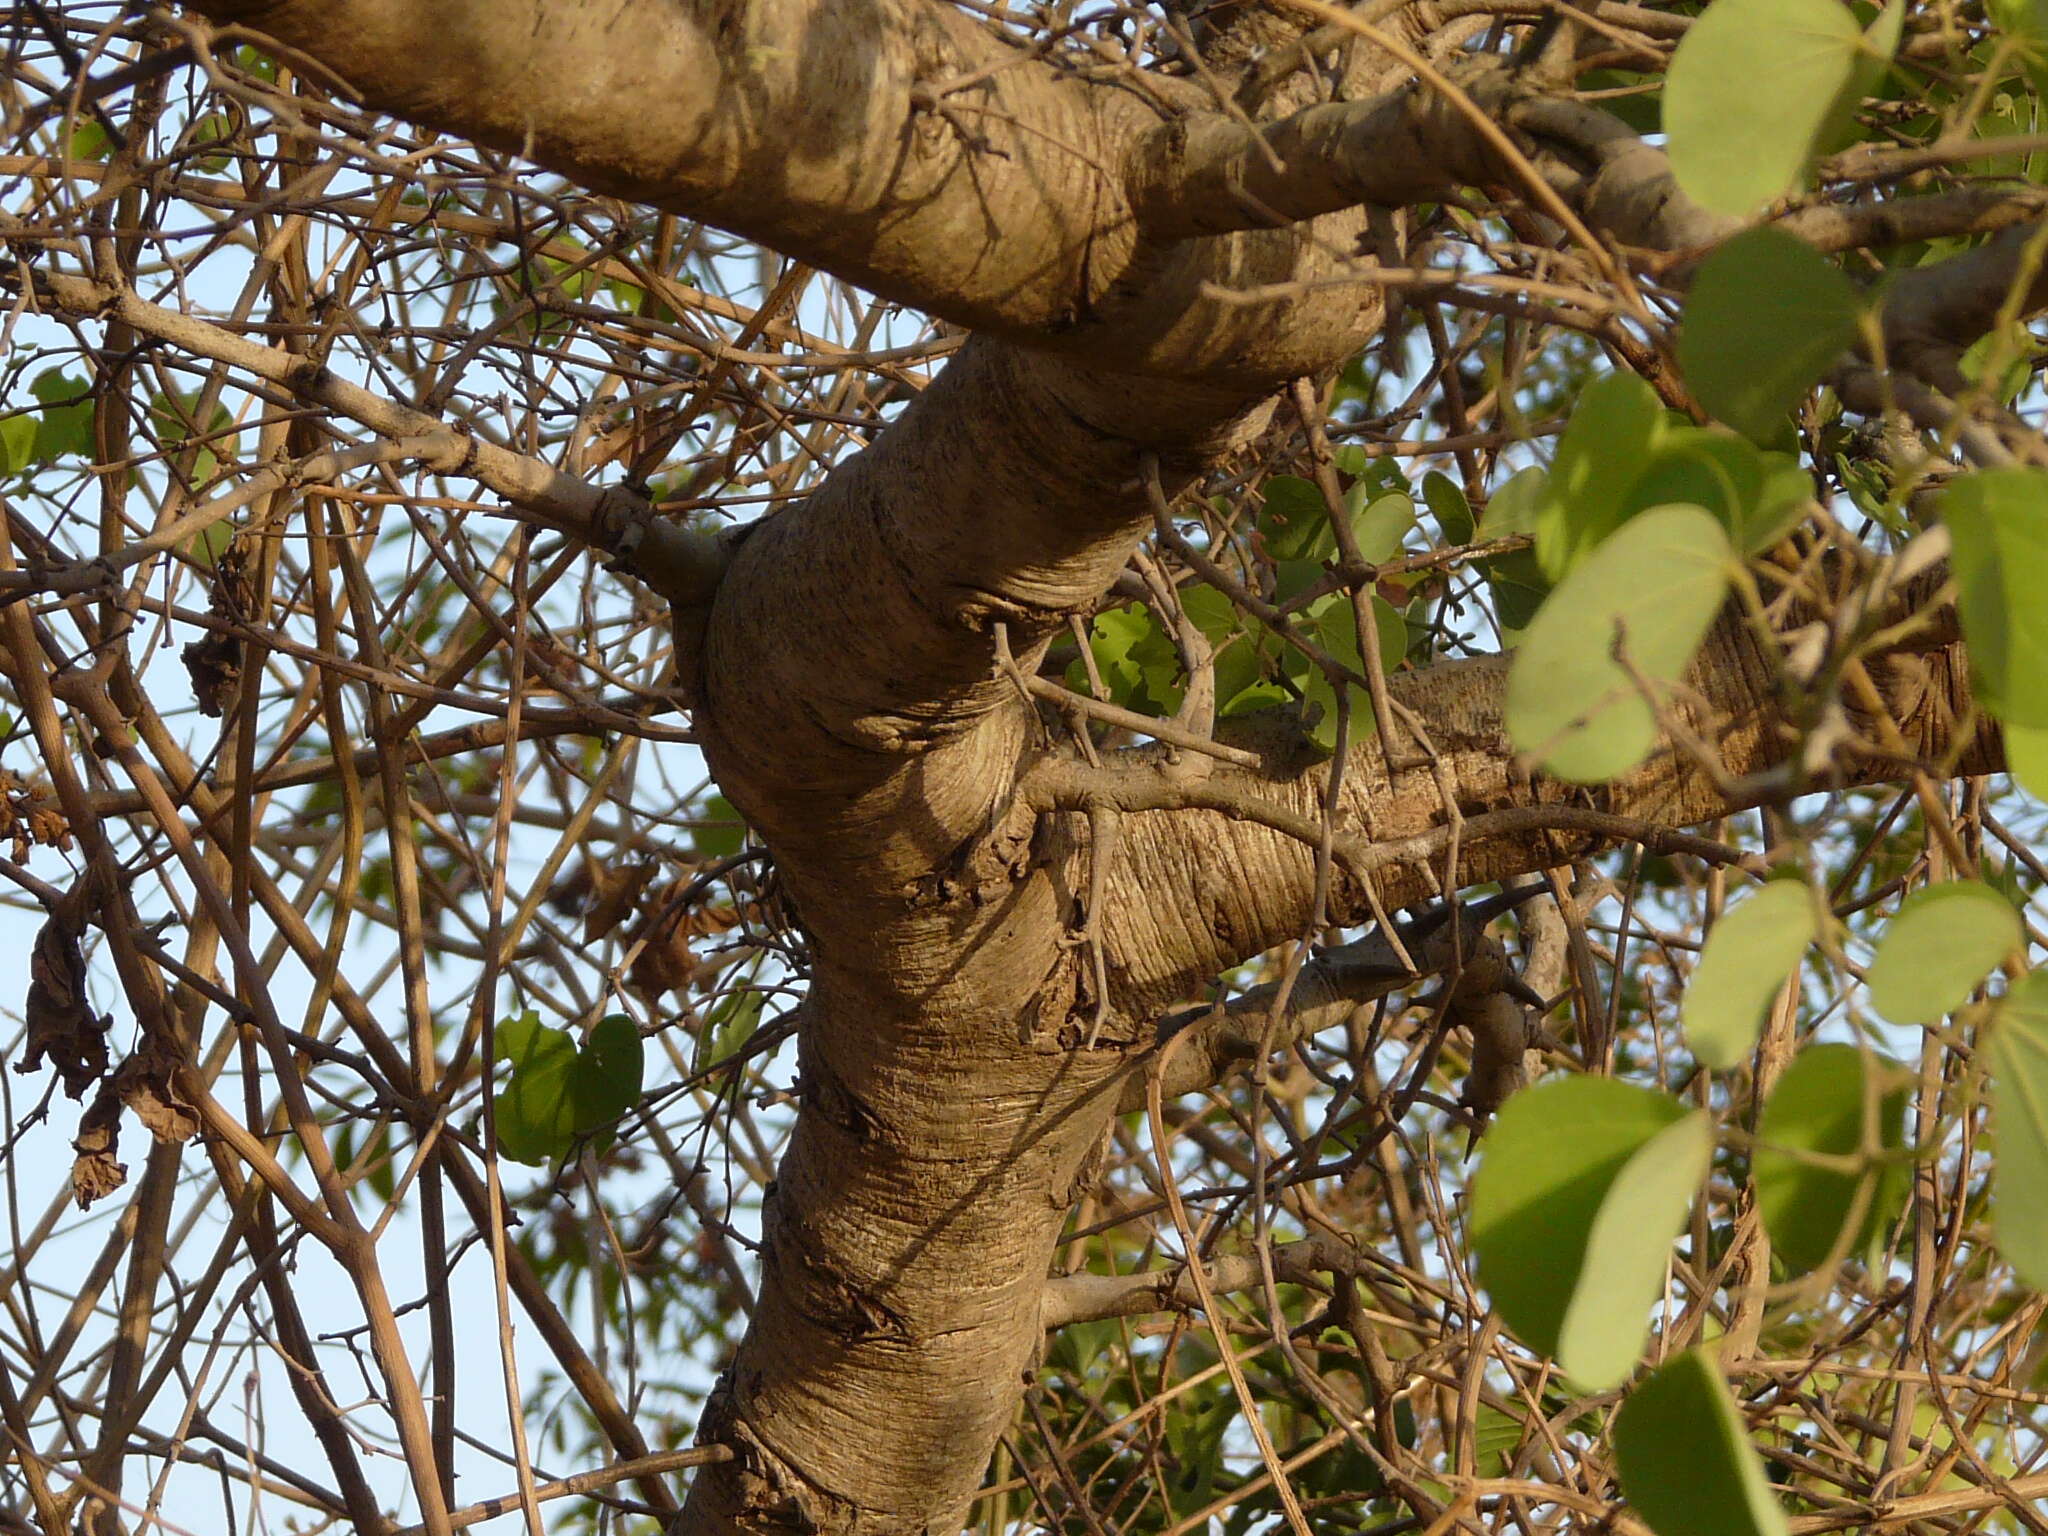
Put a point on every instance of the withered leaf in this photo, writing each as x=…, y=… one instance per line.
x=215, y=659
x=28, y=817
x=97, y=1172
x=614, y=893
x=215, y=664
x=62, y=1028
x=147, y=1084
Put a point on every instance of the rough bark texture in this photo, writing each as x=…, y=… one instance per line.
x=948, y=1109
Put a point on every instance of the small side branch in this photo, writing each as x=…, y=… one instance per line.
x=681, y=564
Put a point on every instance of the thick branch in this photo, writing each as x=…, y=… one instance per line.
x=1195, y=893
x=897, y=144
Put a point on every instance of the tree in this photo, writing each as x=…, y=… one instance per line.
x=1357, y=484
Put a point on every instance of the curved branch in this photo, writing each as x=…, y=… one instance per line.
x=900, y=145
x=1197, y=892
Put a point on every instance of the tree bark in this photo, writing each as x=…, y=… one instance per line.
x=852, y=697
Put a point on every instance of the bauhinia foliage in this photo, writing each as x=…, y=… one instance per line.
x=869, y=766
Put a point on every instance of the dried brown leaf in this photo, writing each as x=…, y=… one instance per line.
x=62, y=1027
x=97, y=1172
x=147, y=1084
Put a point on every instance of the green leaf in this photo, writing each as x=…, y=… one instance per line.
x=609, y=1072
x=1138, y=664
x=1447, y=503
x=533, y=1115
x=174, y=418
x=1614, y=428
x=718, y=831
x=2011, y=350
x=1755, y=90
x=1944, y=941
x=1766, y=318
x=1684, y=1457
x=558, y=1091
x=1334, y=626
x=1781, y=504
x=256, y=63
x=2026, y=23
x=88, y=141
x=1654, y=586
x=2026, y=755
x=1705, y=467
x=1516, y=503
x=17, y=444
x=1235, y=656
x=1516, y=580
x=1998, y=528
x=1818, y=1107
x=214, y=128
x=2019, y=1102
x=1759, y=497
x=1381, y=526
x=1553, y=1154
x=1626, y=1252
x=66, y=424
x=1495, y=1435
x=728, y=1026
x=1751, y=951
x=1294, y=520
x=207, y=545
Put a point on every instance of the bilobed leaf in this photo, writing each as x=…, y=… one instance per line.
x=1615, y=426
x=1755, y=89
x=1819, y=1107
x=1998, y=529
x=1684, y=1457
x=2019, y=1104
x=1944, y=941
x=1653, y=588
x=559, y=1091
x=1553, y=1154
x=1752, y=950
x=1626, y=1251
x=1766, y=317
